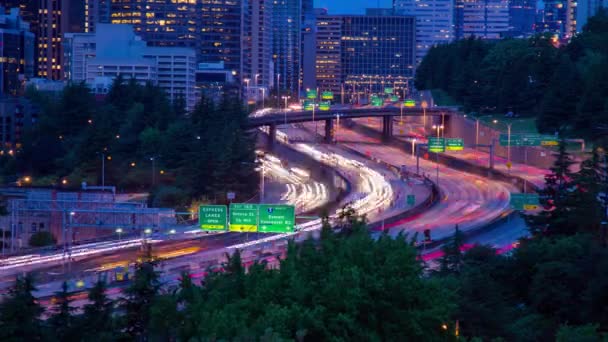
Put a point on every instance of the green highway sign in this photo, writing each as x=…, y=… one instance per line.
x=524, y=201
x=327, y=95
x=308, y=105
x=436, y=144
x=528, y=140
x=394, y=98
x=411, y=199
x=409, y=103
x=311, y=94
x=454, y=144
x=377, y=102
x=388, y=90
x=277, y=218
x=243, y=217
x=212, y=217
x=324, y=105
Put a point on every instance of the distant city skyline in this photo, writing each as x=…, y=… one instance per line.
x=351, y=6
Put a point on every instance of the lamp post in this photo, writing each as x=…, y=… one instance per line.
x=424, y=105
x=285, y=108
x=438, y=128
x=119, y=232
x=337, y=126
x=278, y=88
x=476, y=133
x=263, y=98
x=508, y=139
x=442, y=124
x=401, y=114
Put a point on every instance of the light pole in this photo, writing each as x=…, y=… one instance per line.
x=442, y=124
x=255, y=79
x=278, y=88
x=438, y=128
x=424, y=105
x=285, y=109
x=263, y=97
x=337, y=126
x=153, y=160
x=246, y=80
x=119, y=232
x=508, y=140
x=413, y=146
x=476, y=133
x=401, y=114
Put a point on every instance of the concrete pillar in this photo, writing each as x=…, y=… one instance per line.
x=272, y=135
x=387, y=127
x=329, y=127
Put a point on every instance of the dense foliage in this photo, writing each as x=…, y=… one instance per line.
x=566, y=87
x=146, y=141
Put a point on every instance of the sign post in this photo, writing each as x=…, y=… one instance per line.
x=411, y=200
x=454, y=144
x=311, y=94
x=525, y=201
x=212, y=217
x=277, y=218
x=243, y=217
x=436, y=144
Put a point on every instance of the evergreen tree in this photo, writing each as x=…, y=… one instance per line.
x=139, y=297
x=97, y=318
x=20, y=313
x=452, y=253
x=62, y=322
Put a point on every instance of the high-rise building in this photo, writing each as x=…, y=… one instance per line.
x=434, y=22
x=558, y=18
x=522, y=17
x=329, y=52
x=257, y=43
x=115, y=49
x=95, y=12
x=56, y=17
x=376, y=52
x=309, y=47
x=16, y=52
x=159, y=23
x=287, y=43
x=220, y=23
x=586, y=9
x=487, y=19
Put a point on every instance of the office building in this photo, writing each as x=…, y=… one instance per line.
x=258, y=66
x=287, y=43
x=16, y=115
x=159, y=23
x=213, y=80
x=116, y=49
x=522, y=17
x=95, y=12
x=56, y=17
x=376, y=52
x=486, y=19
x=16, y=52
x=434, y=22
x=558, y=18
x=586, y=9
x=329, y=52
x=309, y=47
x=220, y=26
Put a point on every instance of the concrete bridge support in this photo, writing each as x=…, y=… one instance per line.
x=272, y=136
x=329, y=128
x=387, y=127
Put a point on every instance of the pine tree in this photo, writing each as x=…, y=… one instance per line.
x=138, y=299
x=62, y=321
x=20, y=313
x=97, y=320
x=452, y=253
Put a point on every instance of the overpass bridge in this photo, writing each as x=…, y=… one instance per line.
x=386, y=113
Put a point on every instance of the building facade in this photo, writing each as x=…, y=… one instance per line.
x=16, y=115
x=486, y=19
x=522, y=17
x=16, y=52
x=434, y=22
x=56, y=17
x=258, y=65
x=559, y=18
x=361, y=55
x=116, y=49
x=95, y=12
x=287, y=43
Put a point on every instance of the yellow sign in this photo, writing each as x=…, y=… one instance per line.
x=549, y=143
x=509, y=165
x=247, y=228
x=212, y=226
x=530, y=206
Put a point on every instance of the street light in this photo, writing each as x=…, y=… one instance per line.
x=119, y=232
x=424, y=106
x=338, y=115
x=438, y=128
x=285, y=108
x=256, y=79
x=508, y=140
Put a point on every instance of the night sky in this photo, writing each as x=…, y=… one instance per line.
x=350, y=6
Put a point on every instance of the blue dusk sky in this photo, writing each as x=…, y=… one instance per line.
x=350, y=6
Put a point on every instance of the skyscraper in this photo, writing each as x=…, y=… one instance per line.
x=487, y=19
x=522, y=17
x=56, y=17
x=558, y=18
x=16, y=52
x=287, y=43
x=257, y=43
x=220, y=23
x=96, y=12
x=434, y=22
x=159, y=23
x=375, y=52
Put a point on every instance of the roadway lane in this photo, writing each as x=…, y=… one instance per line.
x=468, y=200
